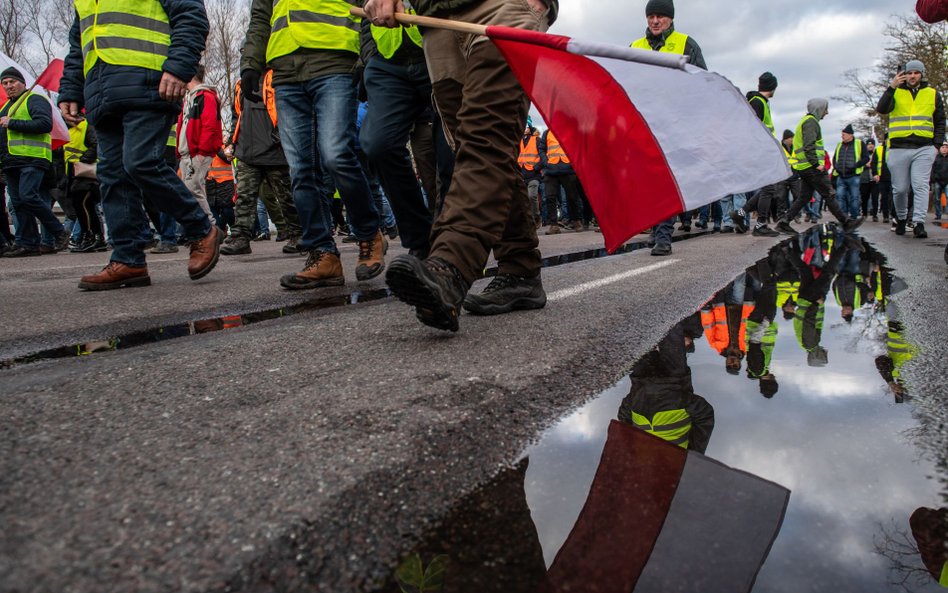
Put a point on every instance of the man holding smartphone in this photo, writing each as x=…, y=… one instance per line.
x=916, y=128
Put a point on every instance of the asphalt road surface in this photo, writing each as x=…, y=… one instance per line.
x=309, y=452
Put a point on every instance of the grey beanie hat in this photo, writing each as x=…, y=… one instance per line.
x=915, y=66
x=660, y=7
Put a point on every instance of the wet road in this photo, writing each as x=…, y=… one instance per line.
x=320, y=448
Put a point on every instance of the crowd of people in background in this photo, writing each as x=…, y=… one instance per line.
x=324, y=158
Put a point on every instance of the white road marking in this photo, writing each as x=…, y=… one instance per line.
x=581, y=288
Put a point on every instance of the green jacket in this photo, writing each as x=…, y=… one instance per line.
x=439, y=8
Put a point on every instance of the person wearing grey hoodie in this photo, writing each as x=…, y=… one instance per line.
x=810, y=154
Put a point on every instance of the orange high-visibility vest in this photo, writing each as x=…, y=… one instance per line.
x=269, y=99
x=220, y=171
x=554, y=152
x=714, y=321
x=529, y=154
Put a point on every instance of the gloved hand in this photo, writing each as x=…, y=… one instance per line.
x=250, y=86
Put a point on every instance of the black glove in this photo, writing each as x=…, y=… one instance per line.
x=250, y=86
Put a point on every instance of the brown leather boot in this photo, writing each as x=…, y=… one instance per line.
x=322, y=269
x=371, y=257
x=116, y=275
x=204, y=254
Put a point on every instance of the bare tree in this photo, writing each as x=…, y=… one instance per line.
x=228, y=22
x=13, y=33
x=908, y=38
x=48, y=24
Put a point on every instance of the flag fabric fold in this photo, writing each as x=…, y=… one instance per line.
x=648, y=135
x=48, y=82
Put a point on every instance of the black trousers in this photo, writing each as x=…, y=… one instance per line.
x=815, y=180
x=760, y=203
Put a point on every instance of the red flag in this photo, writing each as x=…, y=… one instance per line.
x=648, y=135
x=50, y=77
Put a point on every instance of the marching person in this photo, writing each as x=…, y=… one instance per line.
x=661, y=36
x=131, y=98
x=810, y=155
x=313, y=51
x=484, y=110
x=916, y=128
x=26, y=153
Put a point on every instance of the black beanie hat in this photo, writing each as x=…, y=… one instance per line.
x=767, y=82
x=787, y=134
x=660, y=7
x=12, y=72
x=849, y=129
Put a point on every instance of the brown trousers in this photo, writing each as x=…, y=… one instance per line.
x=484, y=111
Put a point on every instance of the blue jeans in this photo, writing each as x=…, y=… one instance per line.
x=937, y=188
x=728, y=203
x=169, y=229
x=399, y=94
x=132, y=163
x=263, y=220
x=848, y=196
x=318, y=128
x=31, y=203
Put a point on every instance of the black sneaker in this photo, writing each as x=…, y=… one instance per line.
x=764, y=231
x=290, y=247
x=919, y=231
x=784, y=227
x=899, y=227
x=852, y=224
x=433, y=286
x=507, y=293
x=740, y=222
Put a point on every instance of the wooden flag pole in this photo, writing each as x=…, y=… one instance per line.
x=427, y=21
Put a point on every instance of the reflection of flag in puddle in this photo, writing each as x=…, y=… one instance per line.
x=660, y=518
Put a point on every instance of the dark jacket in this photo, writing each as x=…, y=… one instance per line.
x=661, y=381
x=940, y=170
x=548, y=169
x=41, y=113
x=757, y=106
x=887, y=104
x=258, y=143
x=692, y=49
x=812, y=133
x=446, y=7
x=108, y=89
x=845, y=166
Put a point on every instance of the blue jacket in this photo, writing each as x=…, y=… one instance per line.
x=112, y=89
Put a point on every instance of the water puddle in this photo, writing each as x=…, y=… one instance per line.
x=199, y=326
x=767, y=443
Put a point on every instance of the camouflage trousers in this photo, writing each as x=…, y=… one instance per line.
x=272, y=185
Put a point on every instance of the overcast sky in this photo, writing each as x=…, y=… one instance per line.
x=807, y=45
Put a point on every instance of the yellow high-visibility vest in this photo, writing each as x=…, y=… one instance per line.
x=38, y=146
x=858, y=149
x=673, y=426
x=124, y=33
x=390, y=39
x=913, y=116
x=77, y=142
x=173, y=136
x=798, y=153
x=768, y=120
x=674, y=43
x=312, y=24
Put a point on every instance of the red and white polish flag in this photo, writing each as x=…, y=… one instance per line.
x=648, y=135
x=47, y=83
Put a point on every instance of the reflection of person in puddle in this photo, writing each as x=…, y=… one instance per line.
x=762, y=326
x=661, y=400
x=724, y=320
x=898, y=352
x=851, y=286
x=819, y=253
